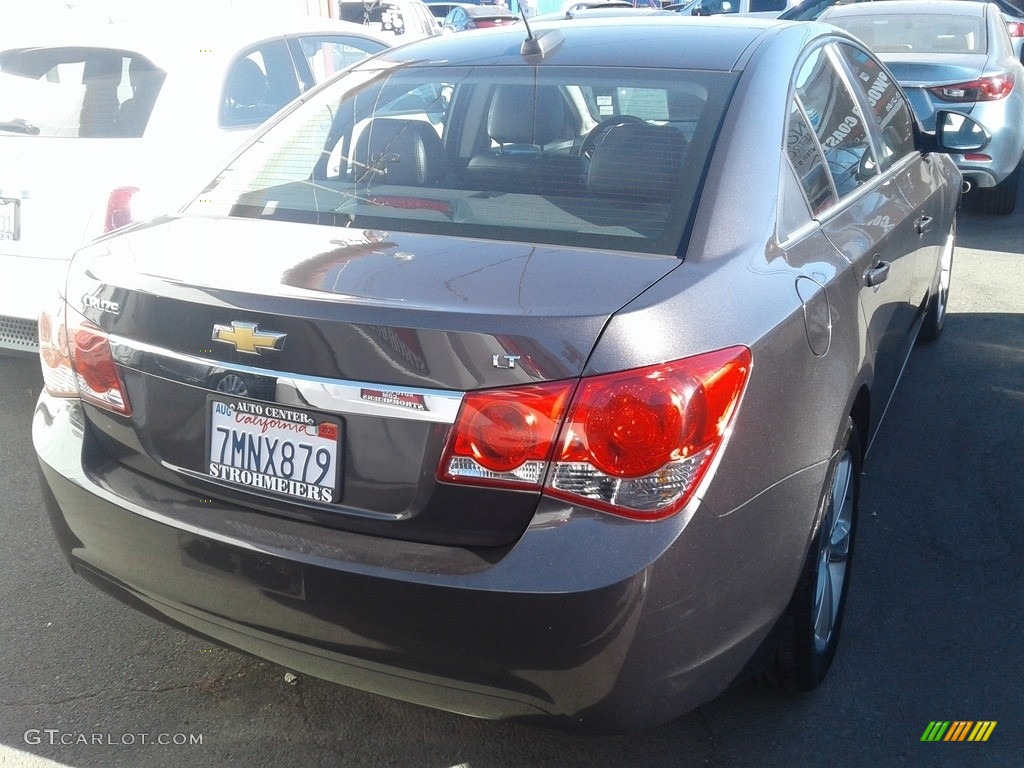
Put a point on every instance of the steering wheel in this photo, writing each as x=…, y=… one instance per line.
x=593, y=138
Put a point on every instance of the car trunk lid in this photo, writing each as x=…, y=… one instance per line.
x=374, y=334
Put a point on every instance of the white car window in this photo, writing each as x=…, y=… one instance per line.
x=259, y=82
x=327, y=55
x=77, y=92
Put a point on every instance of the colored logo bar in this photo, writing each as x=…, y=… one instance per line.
x=958, y=730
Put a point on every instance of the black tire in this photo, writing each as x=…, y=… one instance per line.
x=1000, y=200
x=807, y=635
x=935, y=314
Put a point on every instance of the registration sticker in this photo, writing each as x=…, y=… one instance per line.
x=276, y=448
x=10, y=218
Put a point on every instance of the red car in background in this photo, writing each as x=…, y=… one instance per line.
x=469, y=16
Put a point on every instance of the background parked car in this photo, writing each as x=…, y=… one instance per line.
x=96, y=120
x=951, y=53
x=468, y=16
x=404, y=19
x=441, y=9
x=763, y=8
x=1012, y=10
x=461, y=383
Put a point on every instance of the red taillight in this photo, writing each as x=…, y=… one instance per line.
x=505, y=437
x=119, y=208
x=634, y=443
x=77, y=362
x=983, y=89
x=1015, y=28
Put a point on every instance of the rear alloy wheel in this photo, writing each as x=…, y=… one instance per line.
x=1000, y=200
x=935, y=315
x=808, y=632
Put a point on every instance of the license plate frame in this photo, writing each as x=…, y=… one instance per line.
x=246, y=449
x=10, y=219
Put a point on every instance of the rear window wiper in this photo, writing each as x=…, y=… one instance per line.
x=19, y=125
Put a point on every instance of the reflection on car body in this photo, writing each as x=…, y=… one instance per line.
x=597, y=403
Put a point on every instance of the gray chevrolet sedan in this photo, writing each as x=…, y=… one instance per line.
x=526, y=374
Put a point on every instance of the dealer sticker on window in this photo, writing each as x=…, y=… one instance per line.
x=269, y=447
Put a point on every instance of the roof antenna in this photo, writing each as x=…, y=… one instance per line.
x=536, y=47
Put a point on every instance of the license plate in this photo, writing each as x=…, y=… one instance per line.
x=10, y=218
x=266, y=447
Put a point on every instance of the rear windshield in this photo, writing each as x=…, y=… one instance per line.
x=917, y=33
x=77, y=92
x=597, y=157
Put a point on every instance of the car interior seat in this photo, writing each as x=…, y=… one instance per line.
x=402, y=152
x=134, y=112
x=101, y=76
x=637, y=162
x=245, y=94
x=522, y=121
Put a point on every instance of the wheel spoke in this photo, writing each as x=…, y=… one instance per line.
x=834, y=550
x=823, y=604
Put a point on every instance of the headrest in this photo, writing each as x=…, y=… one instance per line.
x=246, y=85
x=523, y=114
x=637, y=161
x=404, y=152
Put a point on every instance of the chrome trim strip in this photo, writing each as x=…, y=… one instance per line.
x=322, y=394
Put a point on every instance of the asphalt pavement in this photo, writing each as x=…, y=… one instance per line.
x=934, y=630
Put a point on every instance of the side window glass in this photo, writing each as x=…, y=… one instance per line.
x=808, y=164
x=327, y=55
x=888, y=106
x=258, y=84
x=764, y=6
x=837, y=122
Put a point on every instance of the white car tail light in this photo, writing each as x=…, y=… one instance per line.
x=119, y=208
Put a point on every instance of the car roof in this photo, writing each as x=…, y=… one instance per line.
x=167, y=39
x=710, y=43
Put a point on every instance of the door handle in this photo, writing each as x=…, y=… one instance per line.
x=923, y=224
x=878, y=273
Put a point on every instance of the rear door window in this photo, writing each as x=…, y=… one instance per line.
x=77, y=92
x=805, y=156
x=837, y=122
x=888, y=106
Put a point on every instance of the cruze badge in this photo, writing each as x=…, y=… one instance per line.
x=248, y=338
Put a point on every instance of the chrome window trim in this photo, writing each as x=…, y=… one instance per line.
x=318, y=393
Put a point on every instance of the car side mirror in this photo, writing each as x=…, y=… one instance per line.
x=956, y=132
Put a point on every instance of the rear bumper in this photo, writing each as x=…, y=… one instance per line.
x=588, y=621
x=29, y=285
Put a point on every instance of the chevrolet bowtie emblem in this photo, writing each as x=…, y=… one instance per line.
x=247, y=337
